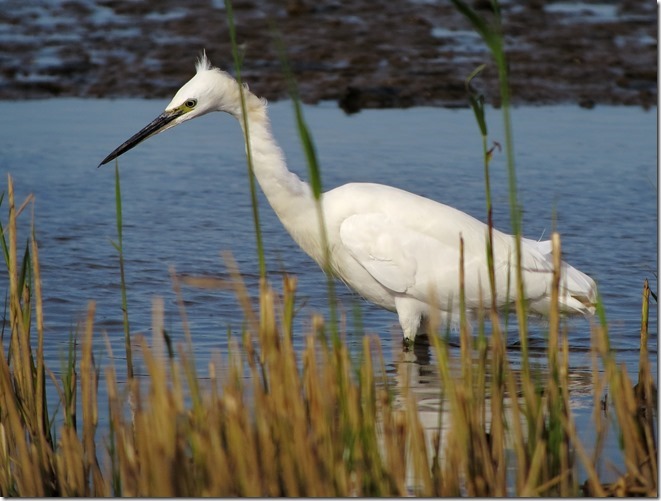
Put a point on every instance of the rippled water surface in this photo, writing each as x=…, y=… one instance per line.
x=590, y=173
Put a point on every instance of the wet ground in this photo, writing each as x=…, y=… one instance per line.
x=359, y=53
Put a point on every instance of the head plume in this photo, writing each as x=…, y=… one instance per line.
x=203, y=63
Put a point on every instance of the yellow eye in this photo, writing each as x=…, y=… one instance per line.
x=191, y=103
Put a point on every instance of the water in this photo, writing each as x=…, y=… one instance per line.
x=591, y=173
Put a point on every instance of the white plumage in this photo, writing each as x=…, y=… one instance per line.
x=396, y=249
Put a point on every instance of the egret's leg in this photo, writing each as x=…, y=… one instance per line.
x=410, y=312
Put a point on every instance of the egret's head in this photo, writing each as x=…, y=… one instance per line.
x=209, y=90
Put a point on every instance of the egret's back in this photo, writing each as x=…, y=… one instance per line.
x=410, y=246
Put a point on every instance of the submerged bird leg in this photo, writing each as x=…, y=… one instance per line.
x=422, y=338
x=410, y=316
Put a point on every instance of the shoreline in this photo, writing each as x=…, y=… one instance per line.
x=399, y=55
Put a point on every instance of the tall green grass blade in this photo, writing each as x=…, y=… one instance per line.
x=314, y=172
x=3, y=240
x=24, y=285
x=120, y=249
x=600, y=311
x=486, y=31
x=246, y=127
x=69, y=382
x=477, y=104
x=39, y=372
x=477, y=101
x=492, y=35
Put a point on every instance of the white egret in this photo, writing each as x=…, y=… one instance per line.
x=396, y=249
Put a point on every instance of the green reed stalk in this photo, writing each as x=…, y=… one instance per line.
x=492, y=35
x=119, y=246
x=42, y=416
x=465, y=340
x=246, y=128
x=69, y=383
x=314, y=171
x=315, y=183
x=498, y=363
x=645, y=389
x=644, y=334
x=477, y=105
x=20, y=309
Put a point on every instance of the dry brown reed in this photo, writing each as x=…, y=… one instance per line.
x=275, y=421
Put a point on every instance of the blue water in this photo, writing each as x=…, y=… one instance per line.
x=589, y=173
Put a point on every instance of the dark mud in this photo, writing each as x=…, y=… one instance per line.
x=359, y=53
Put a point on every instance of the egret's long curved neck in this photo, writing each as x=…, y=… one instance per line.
x=290, y=197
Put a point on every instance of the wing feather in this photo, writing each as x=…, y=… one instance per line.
x=411, y=247
x=401, y=258
x=375, y=242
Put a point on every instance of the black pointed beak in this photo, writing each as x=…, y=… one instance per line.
x=159, y=124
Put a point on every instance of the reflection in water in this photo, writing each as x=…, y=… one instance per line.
x=415, y=374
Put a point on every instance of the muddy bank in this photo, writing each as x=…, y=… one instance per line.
x=359, y=53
